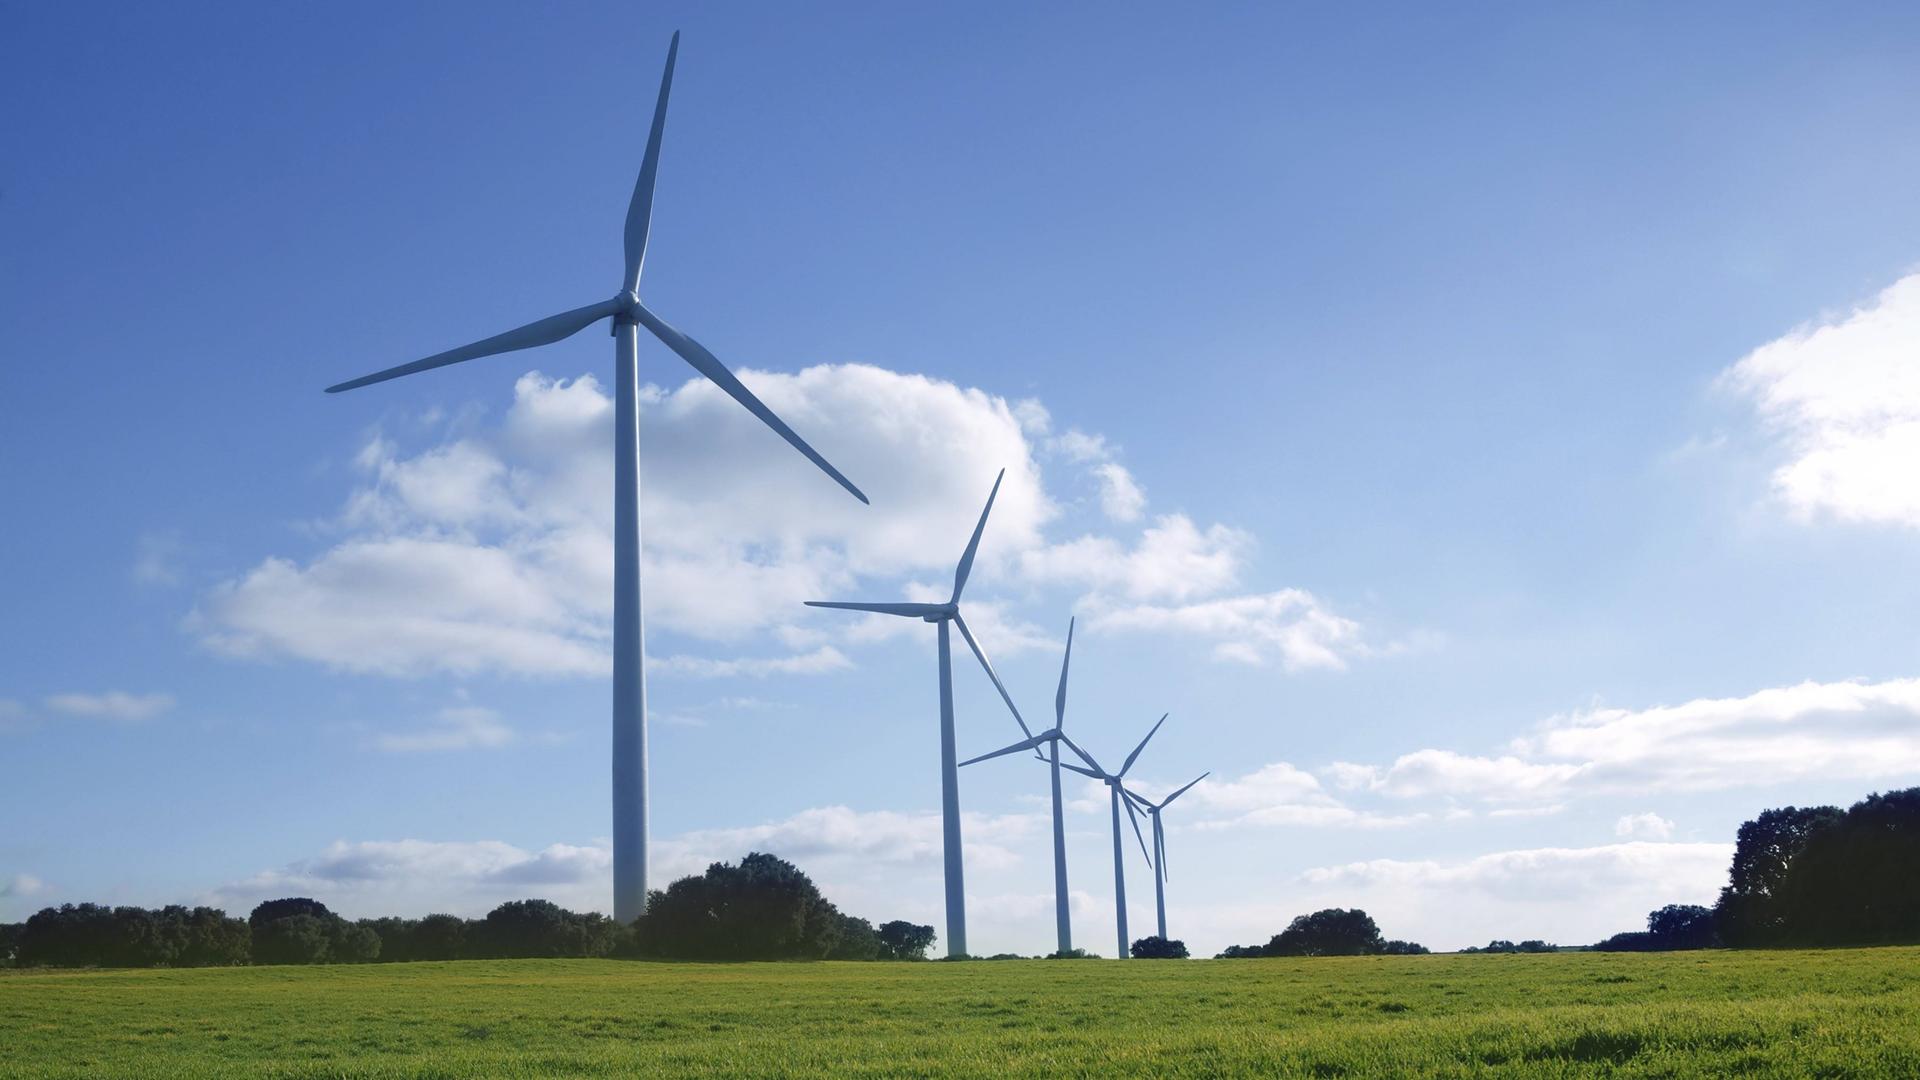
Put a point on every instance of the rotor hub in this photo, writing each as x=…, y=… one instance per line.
x=629, y=307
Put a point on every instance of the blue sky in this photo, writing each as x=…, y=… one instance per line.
x=1488, y=433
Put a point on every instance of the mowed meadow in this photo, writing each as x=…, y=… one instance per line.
x=1836, y=1013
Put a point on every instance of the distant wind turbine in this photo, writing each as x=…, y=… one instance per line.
x=1119, y=796
x=941, y=615
x=1160, y=847
x=1053, y=737
x=629, y=650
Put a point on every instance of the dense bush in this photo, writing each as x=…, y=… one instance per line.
x=762, y=909
x=90, y=935
x=901, y=940
x=858, y=940
x=1329, y=932
x=1501, y=945
x=541, y=928
x=1158, y=948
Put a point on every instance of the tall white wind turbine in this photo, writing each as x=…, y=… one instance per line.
x=1119, y=796
x=941, y=615
x=1160, y=847
x=1063, y=922
x=628, y=315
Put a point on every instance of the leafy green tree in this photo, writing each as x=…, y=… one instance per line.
x=1749, y=911
x=1158, y=948
x=293, y=939
x=1330, y=932
x=1682, y=926
x=439, y=937
x=858, y=941
x=762, y=909
x=902, y=940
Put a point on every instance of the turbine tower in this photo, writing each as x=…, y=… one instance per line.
x=1119, y=796
x=1160, y=847
x=1063, y=922
x=628, y=315
x=941, y=615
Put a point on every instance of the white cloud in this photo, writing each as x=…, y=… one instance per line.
x=1566, y=895
x=1854, y=731
x=21, y=885
x=825, y=658
x=112, y=705
x=1120, y=496
x=491, y=550
x=1276, y=795
x=460, y=727
x=1843, y=397
x=1648, y=825
x=387, y=877
x=1290, y=626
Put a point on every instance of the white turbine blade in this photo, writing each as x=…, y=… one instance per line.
x=1060, y=696
x=1083, y=772
x=545, y=332
x=1144, y=802
x=1133, y=817
x=981, y=656
x=973, y=545
x=1083, y=755
x=911, y=611
x=1143, y=744
x=1023, y=744
x=1182, y=791
x=640, y=209
x=707, y=364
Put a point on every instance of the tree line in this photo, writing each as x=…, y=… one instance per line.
x=1806, y=876
x=1330, y=932
x=764, y=908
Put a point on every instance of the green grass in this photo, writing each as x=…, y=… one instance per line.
x=1787, y=1014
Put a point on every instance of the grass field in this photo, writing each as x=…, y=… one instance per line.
x=1798, y=1014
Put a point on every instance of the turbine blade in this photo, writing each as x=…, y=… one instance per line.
x=544, y=332
x=1060, y=697
x=981, y=656
x=973, y=545
x=1133, y=817
x=1023, y=744
x=911, y=611
x=640, y=209
x=707, y=364
x=1083, y=755
x=1182, y=791
x=1083, y=772
x=1143, y=744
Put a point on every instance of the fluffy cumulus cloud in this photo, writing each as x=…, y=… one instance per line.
x=1565, y=895
x=491, y=549
x=861, y=854
x=111, y=705
x=1648, y=825
x=1843, y=397
x=1856, y=731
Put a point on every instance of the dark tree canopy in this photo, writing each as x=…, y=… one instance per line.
x=536, y=928
x=858, y=941
x=1682, y=926
x=1331, y=932
x=762, y=909
x=293, y=939
x=87, y=935
x=1748, y=912
x=901, y=940
x=1159, y=948
x=294, y=905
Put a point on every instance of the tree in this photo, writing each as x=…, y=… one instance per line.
x=1241, y=952
x=1682, y=926
x=1403, y=948
x=762, y=909
x=293, y=939
x=10, y=942
x=1158, y=948
x=901, y=940
x=1331, y=932
x=1856, y=880
x=529, y=928
x=351, y=943
x=439, y=937
x=858, y=941
x=268, y=910
x=1748, y=911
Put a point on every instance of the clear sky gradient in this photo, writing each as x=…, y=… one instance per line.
x=1489, y=432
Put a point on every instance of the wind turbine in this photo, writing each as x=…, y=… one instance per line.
x=629, y=650
x=941, y=615
x=1063, y=923
x=1160, y=847
x=1119, y=796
